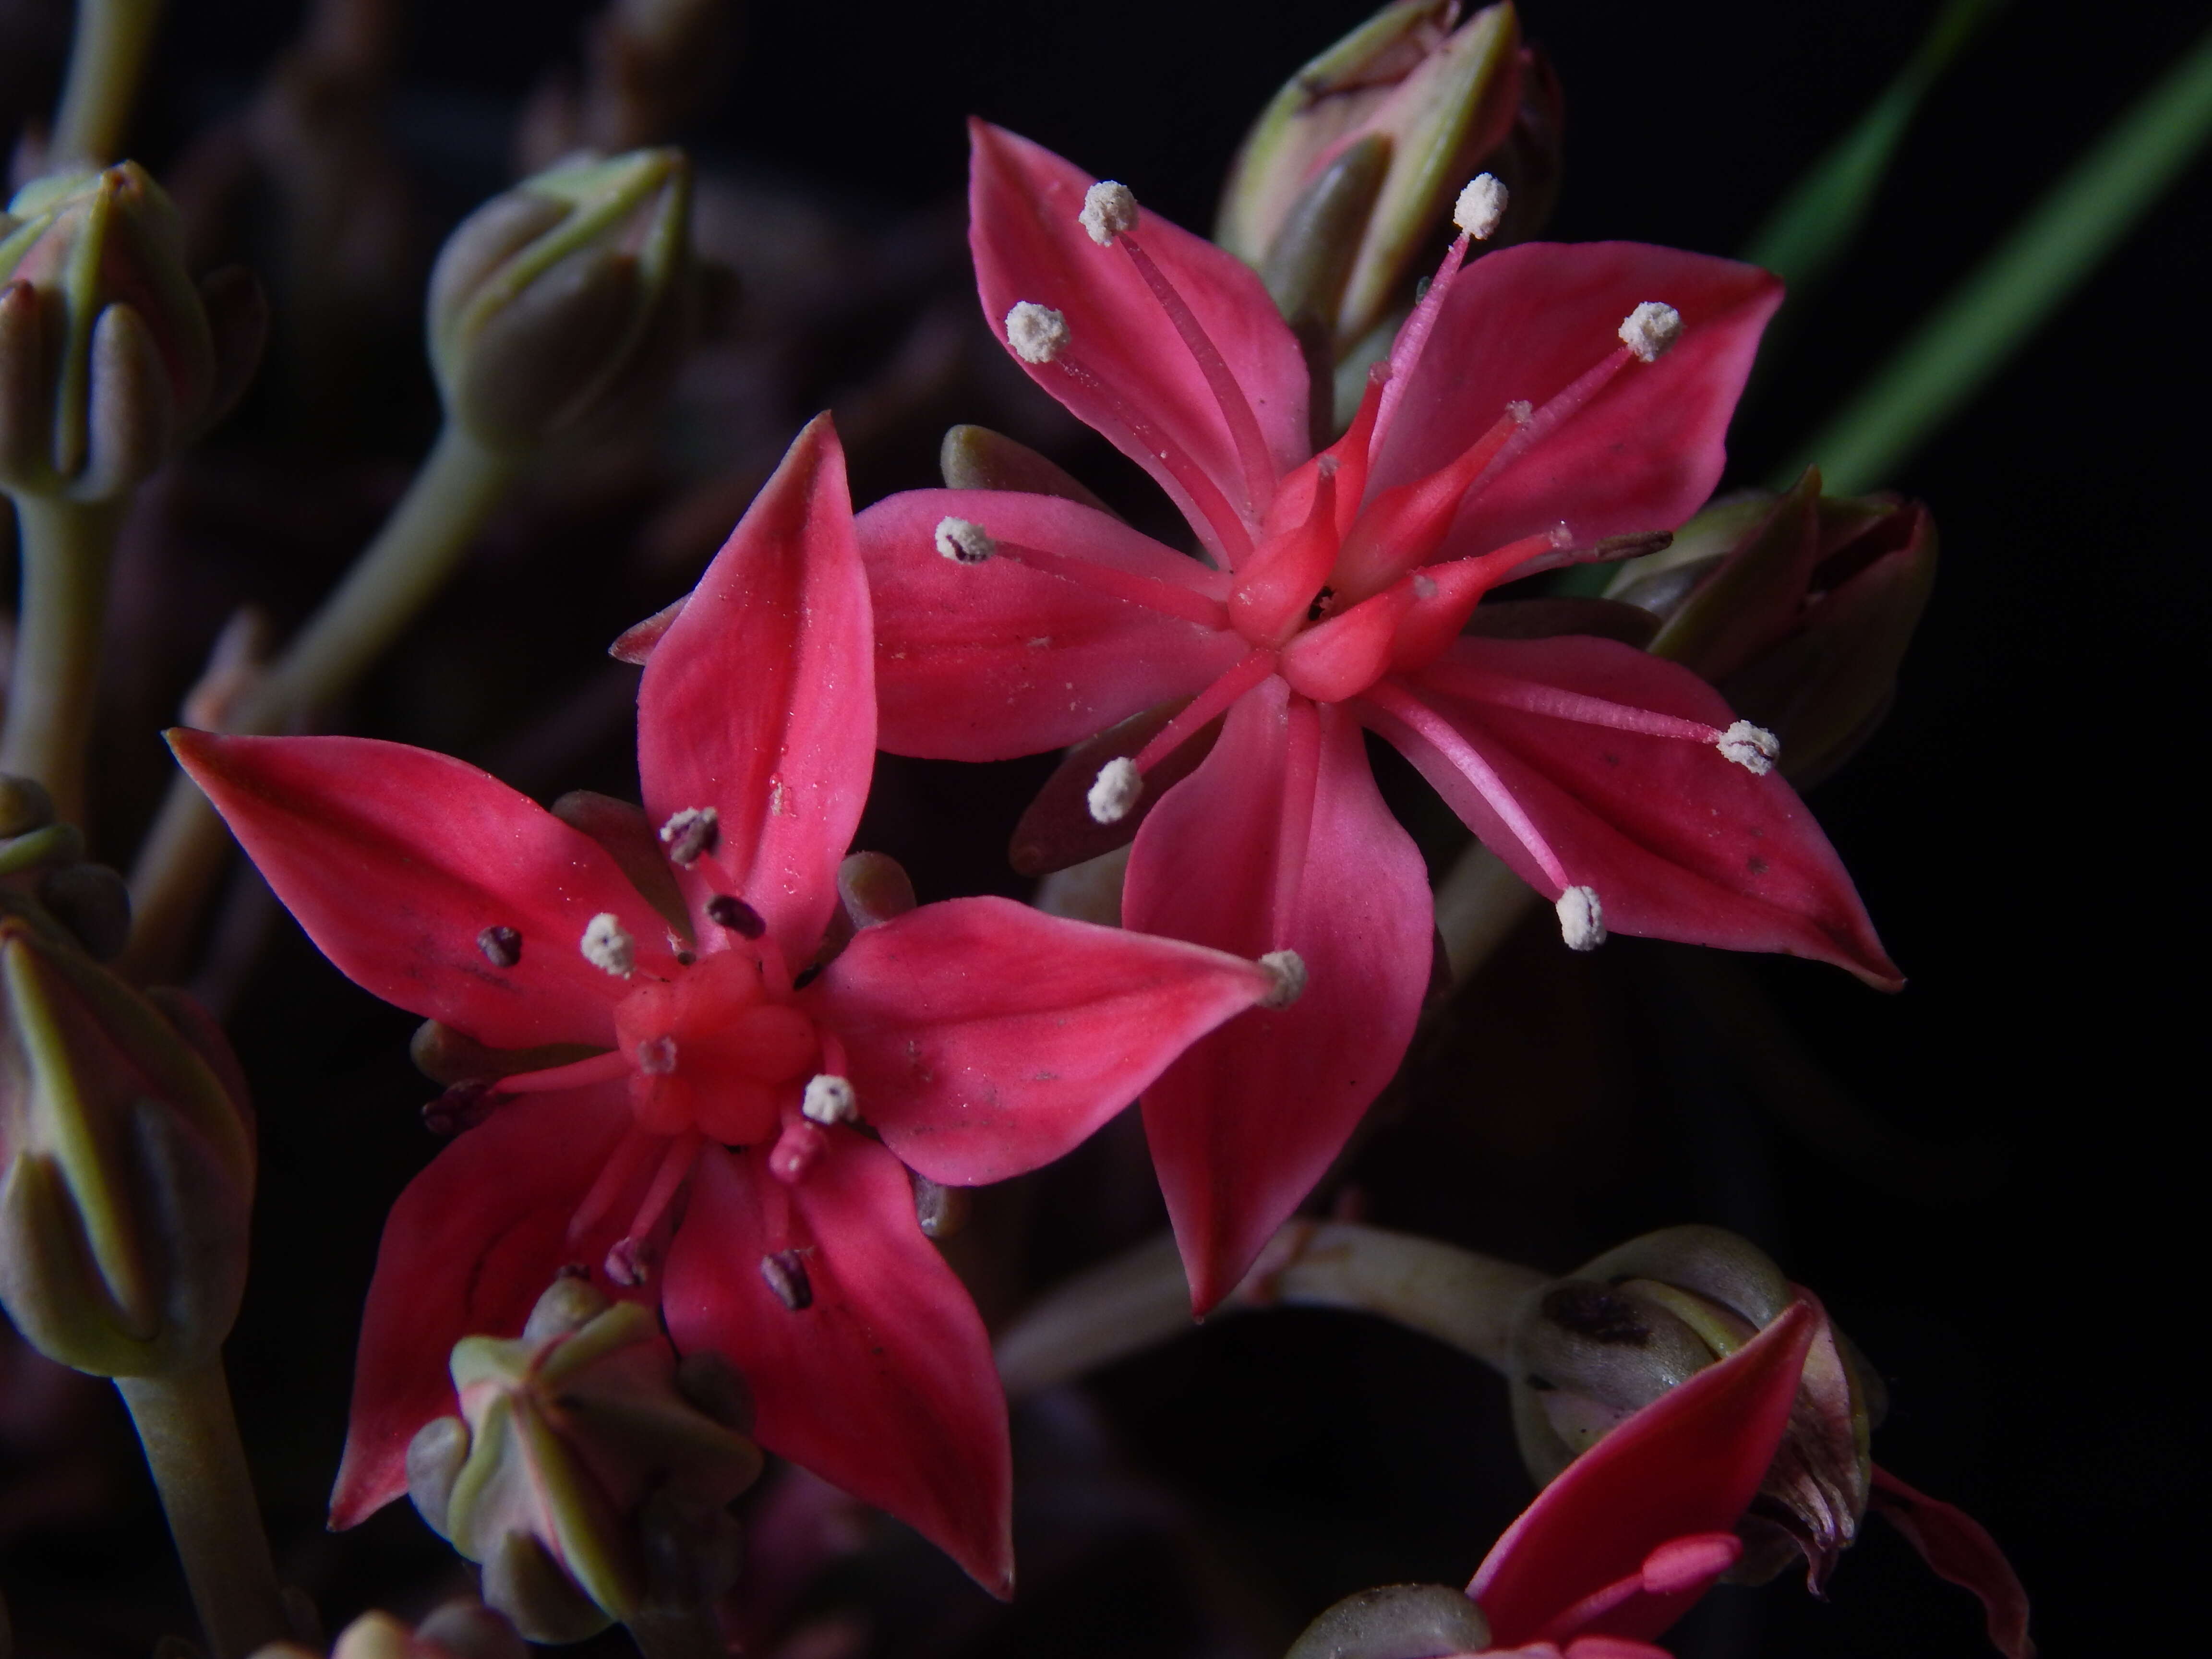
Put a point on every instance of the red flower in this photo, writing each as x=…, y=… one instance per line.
x=704, y=1155
x=1527, y=415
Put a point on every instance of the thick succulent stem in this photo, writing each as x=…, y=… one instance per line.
x=67, y=550
x=191, y=1436
x=108, y=61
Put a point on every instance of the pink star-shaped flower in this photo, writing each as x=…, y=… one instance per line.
x=1537, y=403
x=705, y=1152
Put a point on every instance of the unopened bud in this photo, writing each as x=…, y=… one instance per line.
x=460, y=1630
x=573, y=1432
x=1396, y=1622
x=566, y=297
x=111, y=358
x=126, y=1169
x=1349, y=173
x=1589, y=1350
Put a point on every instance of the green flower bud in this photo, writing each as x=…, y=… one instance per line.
x=111, y=358
x=1351, y=172
x=1588, y=1350
x=127, y=1168
x=588, y=1458
x=566, y=297
x=1798, y=606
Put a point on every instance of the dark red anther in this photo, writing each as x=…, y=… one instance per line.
x=502, y=946
x=786, y=1273
x=734, y=913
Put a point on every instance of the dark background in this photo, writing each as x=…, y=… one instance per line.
x=1988, y=1176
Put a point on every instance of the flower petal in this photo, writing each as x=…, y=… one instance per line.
x=1024, y=203
x=395, y=860
x=1678, y=842
x=468, y=1247
x=1959, y=1549
x=1243, y=1124
x=1524, y=323
x=985, y=1038
x=987, y=661
x=883, y=1383
x=758, y=702
x=1688, y=1463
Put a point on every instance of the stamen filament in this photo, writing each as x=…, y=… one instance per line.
x=1150, y=591
x=675, y=1166
x=621, y=1167
x=1401, y=705
x=1206, y=497
x=1294, y=829
x=576, y=1074
x=1556, y=412
x=1204, y=707
x=1503, y=691
x=1236, y=408
x=1414, y=338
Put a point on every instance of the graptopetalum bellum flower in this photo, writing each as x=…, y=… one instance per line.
x=1545, y=404
x=1622, y=1543
x=705, y=1153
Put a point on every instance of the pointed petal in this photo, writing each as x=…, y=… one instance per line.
x=1024, y=203
x=1243, y=1126
x=758, y=700
x=1524, y=323
x=1959, y=1549
x=985, y=1038
x=987, y=661
x=882, y=1384
x=468, y=1249
x=1678, y=842
x=395, y=860
x=1688, y=1463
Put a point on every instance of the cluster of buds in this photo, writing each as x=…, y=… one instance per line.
x=566, y=297
x=1589, y=1350
x=126, y=1153
x=112, y=359
x=590, y=1470
x=1343, y=186
x=1797, y=607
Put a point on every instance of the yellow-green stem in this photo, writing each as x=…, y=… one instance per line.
x=108, y=61
x=68, y=548
x=412, y=556
x=184, y=1423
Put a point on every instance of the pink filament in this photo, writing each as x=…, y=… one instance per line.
x=1503, y=691
x=1394, y=700
x=1204, y=707
x=577, y=1074
x=1205, y=494
x=1150, y=591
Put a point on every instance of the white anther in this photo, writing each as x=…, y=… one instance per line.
x=1650, y=329
x=963, y=541
x=1560, y=535
x=1109, y=208
x=656, y=1056
x=605, y=945
x=1522, y=410
x=1481, y=206
x=1581, y=918
x=830, y=1099
x=1037, y=333
x=1753, y=748
x=1118, y=786
x=689, y=833
x=1288, y=969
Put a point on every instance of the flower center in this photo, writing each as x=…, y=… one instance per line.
x=712, y=1050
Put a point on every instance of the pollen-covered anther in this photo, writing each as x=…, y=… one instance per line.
x=502, y=946
x=1109, y=208
x=656, y=1056
x=1522, y=411
x=1753, y=748
x=1560, y=535
x=606, y=947
x=691, y=832
x=1118, y=786
x=1037, y=333
x=1481, y=206
x=963, y=541
x=830, y=1099
x=1650, y=329
x=785, y=1272
x=1581, y=918
x=1288, y=969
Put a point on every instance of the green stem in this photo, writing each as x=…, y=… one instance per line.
x=1136, y=1301
x=398, y=574
x=190, y=1437
x=67, y=550
x=108, y=61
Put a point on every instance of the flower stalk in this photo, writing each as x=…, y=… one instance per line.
x=68, y=550
x=108, y=62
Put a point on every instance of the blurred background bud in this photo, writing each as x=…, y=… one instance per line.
x=460, y=1630
x=1396, y=1621
x=128, y=1167
x=1589, y=1349
x=1797, y=607
x=111, y=358
x=1344, y=184
x=588, y=1459
x=567, y=297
